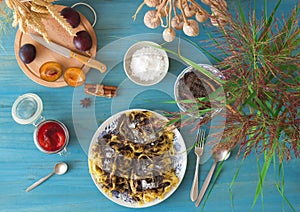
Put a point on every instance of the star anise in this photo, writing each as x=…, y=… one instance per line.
x=86, y=102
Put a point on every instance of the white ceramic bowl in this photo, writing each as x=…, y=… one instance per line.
x=143, y=61
x=181, y=105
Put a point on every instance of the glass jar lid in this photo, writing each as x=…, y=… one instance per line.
x=27, y=109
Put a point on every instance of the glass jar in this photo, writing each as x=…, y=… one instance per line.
x=50, y=136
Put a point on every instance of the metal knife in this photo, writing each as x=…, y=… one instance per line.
x=70, y=54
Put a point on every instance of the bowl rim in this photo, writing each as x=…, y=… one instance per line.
x=135, y=47
x=208, y=67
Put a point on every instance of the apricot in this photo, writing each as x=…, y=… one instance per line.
x=74, y=76
x=50, y=71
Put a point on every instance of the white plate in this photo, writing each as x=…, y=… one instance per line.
x=179, y=161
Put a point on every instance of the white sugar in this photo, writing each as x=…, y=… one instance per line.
x=147, y=64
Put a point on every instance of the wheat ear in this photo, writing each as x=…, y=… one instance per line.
x=38, y=8
x=56, y=15
x=38, y=27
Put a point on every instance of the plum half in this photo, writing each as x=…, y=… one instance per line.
x=74, y=76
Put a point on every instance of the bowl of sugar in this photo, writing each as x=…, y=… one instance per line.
x=145, y=63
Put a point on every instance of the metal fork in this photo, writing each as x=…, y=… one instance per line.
x=199, y=147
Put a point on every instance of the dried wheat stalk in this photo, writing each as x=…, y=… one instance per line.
x=29, y=14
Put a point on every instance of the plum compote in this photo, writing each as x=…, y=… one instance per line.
x=52, y=136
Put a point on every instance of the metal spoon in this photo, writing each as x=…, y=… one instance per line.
x=60, y=168
x=218, y=156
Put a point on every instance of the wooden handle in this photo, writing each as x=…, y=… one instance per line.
x=89, y=61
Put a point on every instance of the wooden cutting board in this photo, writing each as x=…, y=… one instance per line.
x=60, y=36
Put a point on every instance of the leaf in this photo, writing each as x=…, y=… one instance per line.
x=248, y=101
x=216, y=175
x=213, y=39
x=265, y=10
x=233, y=181
x=280, y=187
x=262, y=176
x=193, y=64
x=241, y=13
x=264, y=106
x=202, y=70
x=173, y=121
x=268, y=21
x=204, y=111
x=259, y=102
x=169, y=102
x=217, y=95
x=206, y=51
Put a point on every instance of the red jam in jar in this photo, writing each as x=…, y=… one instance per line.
x=51, y=136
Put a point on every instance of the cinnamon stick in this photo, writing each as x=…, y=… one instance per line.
x=100, y=90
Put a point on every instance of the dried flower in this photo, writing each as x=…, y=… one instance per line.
x=261, y=67
x=178, y=15
x=260, y=61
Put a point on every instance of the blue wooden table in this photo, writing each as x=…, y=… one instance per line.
x=21, y=163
